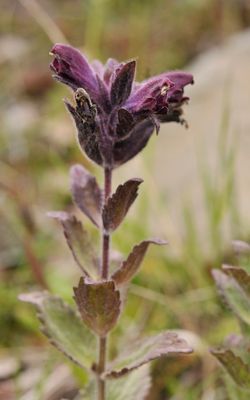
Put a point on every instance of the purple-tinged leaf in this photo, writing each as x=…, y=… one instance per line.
x=119, y=203
x=146, y=350
x=63, y=327
x=241, y=248
x=131, y=265
x=86, y=193
x=78, y=242
x=87, y=134
x=122, y=84
x=235, y=366
x=240, y=275
x=99, y=304
x=233, y=295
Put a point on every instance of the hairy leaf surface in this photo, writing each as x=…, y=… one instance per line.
x=63, y=327
x=146, y=350
x=131, y=265
x=234, y=365
x=119, y=203
x=240, y=275
x=233, y=295
x=99, y=304
x=135, y=386
x=86, y=193
x=79, y=242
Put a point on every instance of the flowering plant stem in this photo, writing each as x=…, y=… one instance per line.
x=104, y=275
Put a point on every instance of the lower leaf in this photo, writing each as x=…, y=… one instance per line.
x=135, y=386
x=63, y=327
x=235, y=366
x=146, y=350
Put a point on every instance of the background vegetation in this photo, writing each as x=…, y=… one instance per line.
x=37, y=147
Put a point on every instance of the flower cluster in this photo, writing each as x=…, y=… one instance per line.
x=114, y=115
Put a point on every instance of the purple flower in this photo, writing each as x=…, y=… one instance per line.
x=114, y=115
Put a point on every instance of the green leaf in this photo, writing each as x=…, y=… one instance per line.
x=240, y=275
x=233, y=295
x=99, y=304
x=146, y=350
x=135, y=386
x=119, y=203
x=131, y=265
x=79, y=242
x=63, y=327
x=235, y=366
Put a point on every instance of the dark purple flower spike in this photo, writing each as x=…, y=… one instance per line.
x=114, y=115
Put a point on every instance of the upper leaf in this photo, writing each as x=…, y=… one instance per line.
x=235, y=366
x=63, y=327
x=131, y=265
x=122, y=84
x=99, y=304
x=233, y=295
x=78, y=242
x=146, y=350
x=240, y=275
x=86, y=193
x=119, y=203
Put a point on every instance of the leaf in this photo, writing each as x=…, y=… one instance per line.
x=146, y=350
x=240, y=275
x=234, y=365
x=122, y=85
x=240, y=247
x=86, y=193
x=233, y=295
x=135, y=386
x=99, y=304
x=119, y=203
x=131, y=265
x=63, y=327
x=78, y=242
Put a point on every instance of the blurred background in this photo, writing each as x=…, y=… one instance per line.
x=195, y=194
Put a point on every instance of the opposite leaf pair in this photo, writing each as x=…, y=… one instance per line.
x=99, y=300
x=66, y=331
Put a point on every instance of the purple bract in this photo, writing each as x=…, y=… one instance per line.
x=114, y=115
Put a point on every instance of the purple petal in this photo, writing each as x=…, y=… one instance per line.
x=144, y=97
x=155, y=93
x=73, y=69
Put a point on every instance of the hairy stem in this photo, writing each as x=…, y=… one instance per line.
x=104, y=275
